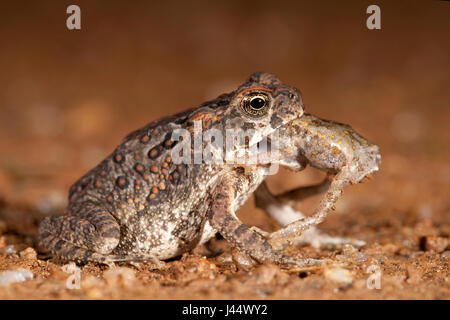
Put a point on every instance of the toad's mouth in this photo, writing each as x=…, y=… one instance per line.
x=326, y=145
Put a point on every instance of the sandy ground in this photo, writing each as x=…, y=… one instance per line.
x=68, y=98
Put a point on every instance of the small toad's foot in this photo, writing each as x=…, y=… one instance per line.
x=309, y=236
x=298, y=229
x=318, y=239
x=301, y=264
x=244, y=261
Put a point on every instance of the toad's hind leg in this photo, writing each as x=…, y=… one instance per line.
x=90, y=235
x=246, y=240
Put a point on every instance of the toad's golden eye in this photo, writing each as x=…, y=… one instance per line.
x=256, y=105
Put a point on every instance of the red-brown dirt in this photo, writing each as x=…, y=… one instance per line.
x=67, y=98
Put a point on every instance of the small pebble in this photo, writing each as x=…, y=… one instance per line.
x=28, y=254
x=361, y=257
x=12, y=276
x=265, y=274
x=435, y=243
x=92, y=287
x=120, y=277
x=10, y=249
x=343, y=257
x=446, y=254
x=350, y=253
x=339, y=275
x=414, y=275
x=349, y=250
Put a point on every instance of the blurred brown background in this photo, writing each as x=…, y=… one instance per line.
x=67, y=98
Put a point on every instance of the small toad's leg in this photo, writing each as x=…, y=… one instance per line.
x=284, y=214
x=296, y=228
x=301, y=193
x=222, y=218
x=281, y=212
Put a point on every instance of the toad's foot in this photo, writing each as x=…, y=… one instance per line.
x=244, y=261
x=284, y=215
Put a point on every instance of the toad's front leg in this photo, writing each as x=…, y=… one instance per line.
x=222, y=218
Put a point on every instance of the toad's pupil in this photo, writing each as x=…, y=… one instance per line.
x=257, y=103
